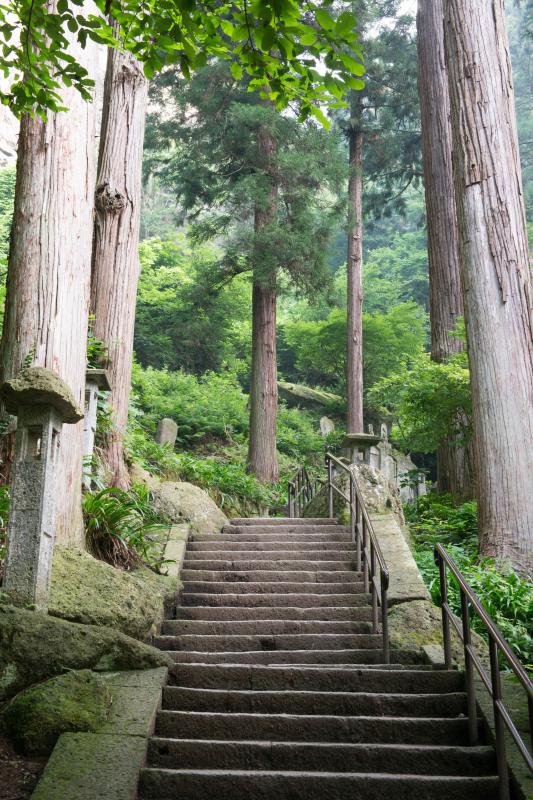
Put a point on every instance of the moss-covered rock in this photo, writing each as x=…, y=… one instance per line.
x=89, y=591
x=35, y=718
x=179, y=501
x=296, y=394
x=35, y=646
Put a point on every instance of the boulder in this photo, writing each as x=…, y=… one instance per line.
x=35, y=646
x=84, y=589
x=36, y=718
x=182, y=502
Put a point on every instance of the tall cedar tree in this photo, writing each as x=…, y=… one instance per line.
x=49, y=268
x=382, y=131
x=454, y=460
x=115, y=267
x=266, y=184
x=495, y=273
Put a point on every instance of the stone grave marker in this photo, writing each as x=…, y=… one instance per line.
x=167, y=431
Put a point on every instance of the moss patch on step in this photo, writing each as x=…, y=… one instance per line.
x=92, y=592
x=77, y=701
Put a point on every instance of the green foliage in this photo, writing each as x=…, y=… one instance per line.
x=188, y=316
x=430, y=401
x=122, y=527
x=97, y=351
x=278, y=44
x=506, y=596
x=319, y=347
x=4, y=518
x=397, y=273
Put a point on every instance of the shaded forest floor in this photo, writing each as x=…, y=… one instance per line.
x=18, y=775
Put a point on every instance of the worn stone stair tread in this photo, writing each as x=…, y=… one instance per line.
x=271, y=576
x=271, y=587
x=297, y=539
x=209, y=545
x=236, y=784
x=313, y=727
x=282, y=530
x=362, y=656
x=319, y=756
x=263, y=627
x=248, y=599
x=268, y=566
x=230, y=613
x=270, y=552
x=285, y=520
x=391, y=677
x=300, y=641
x=179, y=698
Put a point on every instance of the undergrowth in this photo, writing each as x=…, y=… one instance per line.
x=507, y=596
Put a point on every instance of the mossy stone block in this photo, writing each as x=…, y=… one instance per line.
x=76, y=701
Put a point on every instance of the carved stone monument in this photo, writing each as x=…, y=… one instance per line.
x=42, y=402
x=166, y=433
x=326, y=426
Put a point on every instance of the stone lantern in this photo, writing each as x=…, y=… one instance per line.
x=42, y=402
x=360, y=447
x=96, y=381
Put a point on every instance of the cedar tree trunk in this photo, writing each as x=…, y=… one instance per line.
x=454, y=463
x=49, y=270
x=354, y=266
x=115, y=269
x=262, y=452
x=495, y=273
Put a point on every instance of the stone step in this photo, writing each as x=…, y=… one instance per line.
x=266, y=565
x=276, y=575
x=395, y=679
x=292, y=702
x=303, y=641
x=312, y=728
x=159, y=784
x=265, y=587
x=263, y=627
x=210, y=545
x=287, y=528
x=272, y=535
x=249, y=600
x=285, y=521
x=384, y=758
x=327, y=657
x=231, y=613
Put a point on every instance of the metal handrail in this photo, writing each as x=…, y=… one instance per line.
x=497, y=644
x=301, y=490
x=369, y=558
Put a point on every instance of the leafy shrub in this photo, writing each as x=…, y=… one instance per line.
x=4, y=516
x=507, y=597
x=122, y=527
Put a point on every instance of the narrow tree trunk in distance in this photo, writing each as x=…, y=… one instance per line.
x=115, y=269
x=445, y=294
x=495, y=273
x=262, y=446
x=49, y=269
x=354, y=268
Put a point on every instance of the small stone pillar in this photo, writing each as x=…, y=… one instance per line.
x=167, y=431
x=96, y=381
x=327, y=426
x=42, y=402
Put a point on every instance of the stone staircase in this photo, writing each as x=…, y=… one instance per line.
x=279, y=690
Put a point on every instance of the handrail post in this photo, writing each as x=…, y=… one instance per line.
x=499, y=725
x=358, y=533
x=385, y=620
x=365, y=560
x=373, y=588
x=469, y=671
x=290, y=499
x=330, y=487
x=443, y=603
x=352, y=510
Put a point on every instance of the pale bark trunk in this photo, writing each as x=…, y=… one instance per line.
x=445, y=293
x=495, y=274
x=49, y=269
x=115, y=270
x=354, y=268
x=262, y=447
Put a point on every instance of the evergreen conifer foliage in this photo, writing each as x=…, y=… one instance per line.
x=267, y=185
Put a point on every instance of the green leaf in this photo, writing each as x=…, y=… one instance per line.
x=236, y=70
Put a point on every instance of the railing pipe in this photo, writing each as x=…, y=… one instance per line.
x=329, y=465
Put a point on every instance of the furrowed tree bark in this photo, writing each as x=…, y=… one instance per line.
x=49, y=269
x=495, y=273
x=354, y=268
x=115, y=267
x=454, y=463
x=262, y=447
